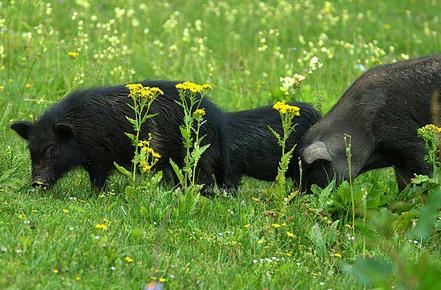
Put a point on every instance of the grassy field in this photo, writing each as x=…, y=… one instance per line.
x=72, y=237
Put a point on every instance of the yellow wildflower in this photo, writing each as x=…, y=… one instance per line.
x=138, y=90
x=276, y=226
x=150, y=93
x=55, y=270
x=151, y=151
x=290, y=234
x=207, y=86
x=143, y=143
x=430, y=128
x=144, y=166
x=156, y=90
x=134, y=88
x=128, y=259
x=73, y=54
x=199, y=113
x=101, y=227
x=338, y=255
x=192, y=87
x=404, y=56
x=65, y=210
x=284, y=108
x=162, y=280
x=28, y=85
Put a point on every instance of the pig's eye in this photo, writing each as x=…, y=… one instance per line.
x=50, y=151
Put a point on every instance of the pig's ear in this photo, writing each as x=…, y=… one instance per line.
x=64, y=131
x=316, y=151
x=23, y=128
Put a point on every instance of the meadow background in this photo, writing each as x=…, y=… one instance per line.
x=72, y=237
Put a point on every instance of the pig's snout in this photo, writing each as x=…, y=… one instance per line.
x=42, y=176
x=40, y=184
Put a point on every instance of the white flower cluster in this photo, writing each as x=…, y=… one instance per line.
x=289, y=83
x=268, y=260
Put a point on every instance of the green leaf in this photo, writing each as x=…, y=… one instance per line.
x=196, y=154
x=318, y=240
x=186, y=135
x=131, y=136
x=148, y=116
x=277, y=135
x=204, y=148
x=370, y=272
x=177, y=171
x=429, y=211
x=420, y=179
x=122, y=170
x=325, y=199
x=131, y=121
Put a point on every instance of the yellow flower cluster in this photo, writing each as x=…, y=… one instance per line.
x=284, y=108
x=276, y=225
x=145, y=147
x=138, y=90
x=199, y=113
x=151, y=152
x=73, y=54
x=192, y=87
x=144, y=166
x=430, y=128
x=101, y=227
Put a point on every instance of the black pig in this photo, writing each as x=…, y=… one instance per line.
x=87, y=129
x=381, y=111
x=254, y=150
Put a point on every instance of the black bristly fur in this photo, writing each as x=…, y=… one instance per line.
x=382, y=111
x=254, y=150
x=97, y=117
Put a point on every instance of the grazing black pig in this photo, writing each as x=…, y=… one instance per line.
x=381, y=111
x=254, y=150
x=87, y=129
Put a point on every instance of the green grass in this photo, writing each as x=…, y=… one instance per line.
x=48, y=239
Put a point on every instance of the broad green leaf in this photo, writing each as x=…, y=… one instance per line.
x=131, y=121
x=177, y=171
x=318, y=240
x=131, y=136
x=429, y=211
x=122, y=170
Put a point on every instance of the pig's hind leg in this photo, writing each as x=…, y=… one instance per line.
x=411, y=161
